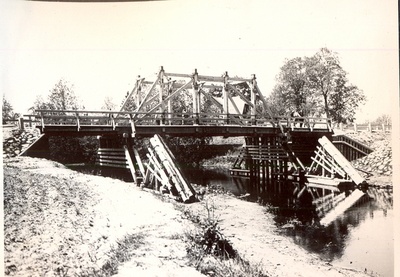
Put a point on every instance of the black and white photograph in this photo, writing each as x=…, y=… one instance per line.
x=212, y=138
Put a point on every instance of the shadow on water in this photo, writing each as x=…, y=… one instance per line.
x=112, y=172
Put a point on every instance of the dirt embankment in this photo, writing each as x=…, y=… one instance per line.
x=58, y=222
x=377, y=167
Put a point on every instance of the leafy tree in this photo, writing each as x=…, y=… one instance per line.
x=292, y=91
x=316, y=85
x=328, y=79
x=67, y=149
x=383, y=119
x=292, y=83
x=108, y=104
x=7, y=111
x=342, y=101
x=61, y=97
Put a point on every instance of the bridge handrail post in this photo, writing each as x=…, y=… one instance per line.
x=112, y=121
x=42, y=120
x=225, y=97
x=21, y=123
x=196, y=97
x=77, y=121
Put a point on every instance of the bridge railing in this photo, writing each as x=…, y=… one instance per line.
x=81, y=118
x=309, y=123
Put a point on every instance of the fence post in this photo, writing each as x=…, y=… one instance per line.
x=383, y=128
x=21, y=123
x=355, y=127
x=369, y=127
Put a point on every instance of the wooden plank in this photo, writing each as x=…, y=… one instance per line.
x=341, y=160
x=112, y=149
x=160, y=170
x=330, y=162
x=111, y=164
x=131, y=165
x=123, y=158
x=185, y=190
x=139, y=161
x=112, y=161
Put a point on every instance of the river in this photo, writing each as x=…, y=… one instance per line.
x=361, y=238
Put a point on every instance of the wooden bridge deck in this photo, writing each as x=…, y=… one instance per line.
x=81, y=123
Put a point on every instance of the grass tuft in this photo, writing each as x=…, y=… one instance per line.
x=210, y=252
x=116, y=256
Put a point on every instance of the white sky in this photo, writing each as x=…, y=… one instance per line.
x=101, y=47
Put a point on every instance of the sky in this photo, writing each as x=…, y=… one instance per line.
x=101, y=48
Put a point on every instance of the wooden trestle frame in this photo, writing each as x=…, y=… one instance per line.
x=158, y=96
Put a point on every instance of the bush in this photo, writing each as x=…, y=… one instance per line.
x=73, y=149
x=189, y=150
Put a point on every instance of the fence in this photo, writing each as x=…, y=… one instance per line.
x=369, y=127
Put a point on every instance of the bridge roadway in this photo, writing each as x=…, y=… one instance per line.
x=93, y=123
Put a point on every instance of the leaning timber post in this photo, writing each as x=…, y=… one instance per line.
x=253, y=96
x=226, y=97
x=129, y=147
x=161, y=94
x=196, y=100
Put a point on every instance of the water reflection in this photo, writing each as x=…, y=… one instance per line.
x=361, y=238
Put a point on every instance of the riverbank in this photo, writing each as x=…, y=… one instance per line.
x=58, y=221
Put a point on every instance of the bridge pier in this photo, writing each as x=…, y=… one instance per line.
x=267, y=164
